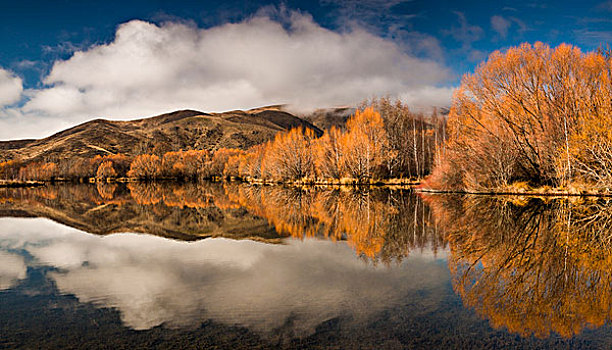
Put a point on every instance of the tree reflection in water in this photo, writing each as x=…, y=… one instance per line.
x=380, y=225
x=533, y=266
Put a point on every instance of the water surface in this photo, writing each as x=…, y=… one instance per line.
x=236, y=266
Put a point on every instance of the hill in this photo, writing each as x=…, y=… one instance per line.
x=185, y=129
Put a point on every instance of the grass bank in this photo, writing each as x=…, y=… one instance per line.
x=523, y=189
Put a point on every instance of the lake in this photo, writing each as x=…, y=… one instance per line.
x=232, y=266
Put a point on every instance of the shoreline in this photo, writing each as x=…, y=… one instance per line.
x=511, y=193
x=387, y=183
x=341, y=182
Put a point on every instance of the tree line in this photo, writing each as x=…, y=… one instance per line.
x=383, y=139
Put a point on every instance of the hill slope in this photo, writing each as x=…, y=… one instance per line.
x=186, y=129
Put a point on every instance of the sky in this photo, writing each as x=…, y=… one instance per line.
x=65, y=62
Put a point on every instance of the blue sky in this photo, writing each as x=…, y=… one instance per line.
x=51, y=48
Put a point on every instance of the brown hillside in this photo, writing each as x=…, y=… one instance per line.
x=186, y=129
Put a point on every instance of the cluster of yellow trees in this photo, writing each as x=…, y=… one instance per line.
x=532, y=114
x=357, y=153
x=382, y=140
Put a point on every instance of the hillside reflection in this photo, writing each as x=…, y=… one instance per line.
x=380, y=225
x=531, y=266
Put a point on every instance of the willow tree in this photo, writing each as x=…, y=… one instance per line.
x=328, y=152
x=145, y=167
x=290, y=156
x=533, y=114
x=106, y=170
x=364, y=144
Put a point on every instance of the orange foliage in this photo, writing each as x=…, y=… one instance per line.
x=362, y=152
x=289, y=156
x=10, y=169
x=38, y=171
x=533, y=268
x=219, y=160
x=146, y=167
x=106, y=170
x=185, y=164
x=363, y=145
x=328, y=154
x=533, y=114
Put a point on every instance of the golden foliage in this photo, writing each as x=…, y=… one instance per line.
x=106, y=170
x=533, y=113
x=38, y=171
x=289, y=156
x=532, y=267
x=361, y=152
x=363, y=145
x=328, y=154
x=146, y=167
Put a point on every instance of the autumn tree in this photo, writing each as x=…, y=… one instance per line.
x=121, y=163
x=364, y=145
x=328, y=154
x=232, y=166
x=219, y=160
x=250, y=164
x=533, y=113
x=195, y=163
x=185, y=164
x=38, y=171
x=10, y=169
x=146, y=167
x=414, y=138
x=289, y=156
x=106, y=170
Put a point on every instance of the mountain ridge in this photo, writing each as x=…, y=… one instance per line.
x=178, y=130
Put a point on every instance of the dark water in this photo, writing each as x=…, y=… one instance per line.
x=233, y=266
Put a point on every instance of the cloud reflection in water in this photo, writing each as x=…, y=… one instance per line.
x=154, y=281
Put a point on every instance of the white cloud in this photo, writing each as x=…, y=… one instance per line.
x=465, y=33
x=500, y=25
x=11, y=88
x=429, y=96
x=12, y=269
x=150, y=69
